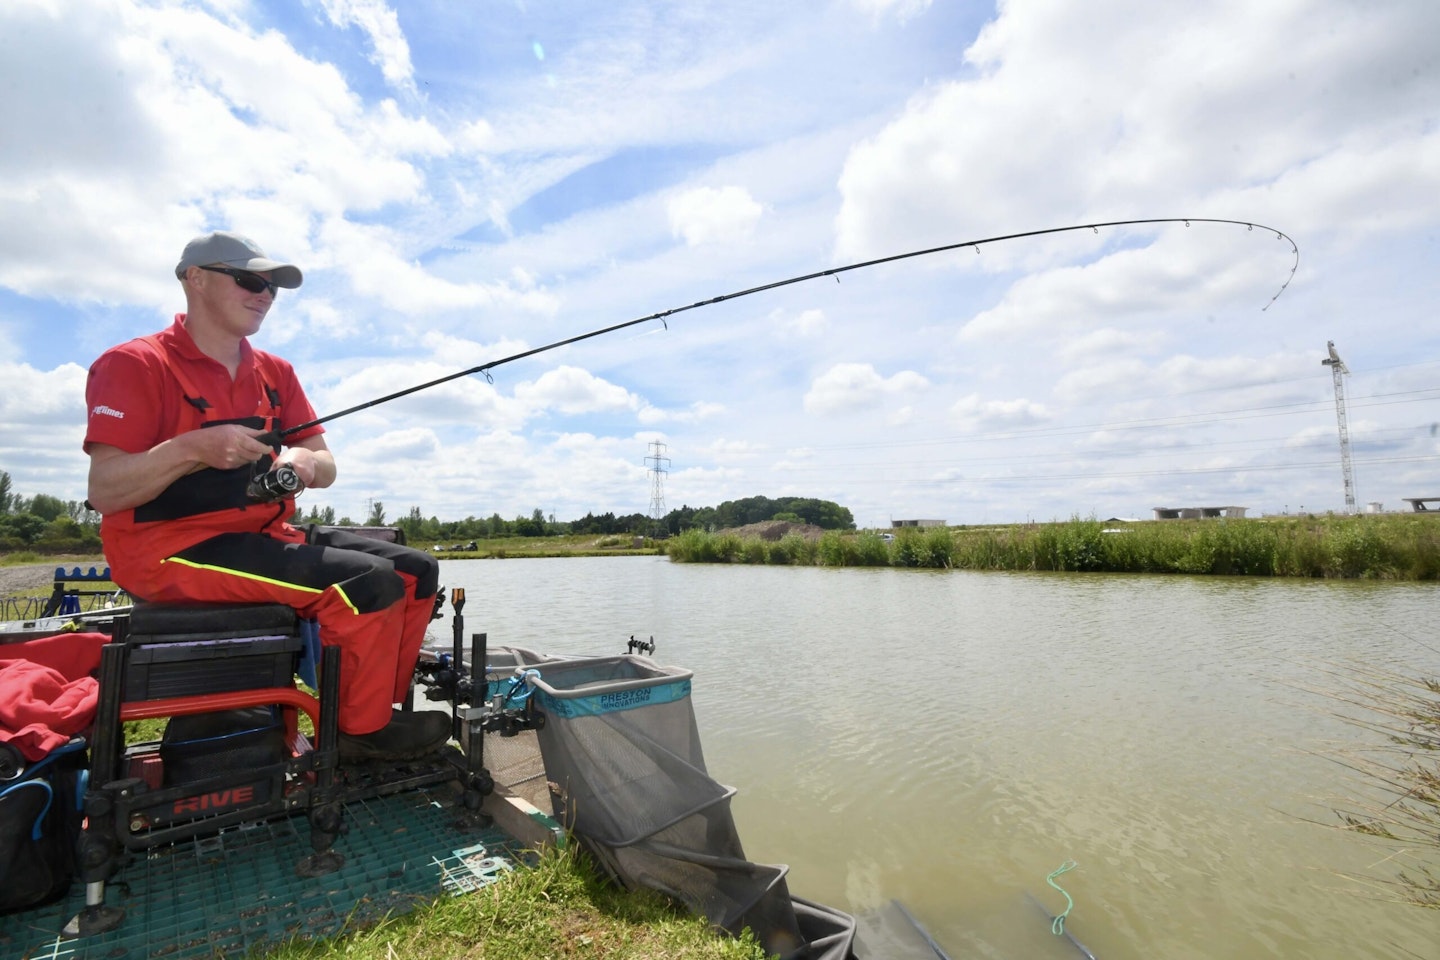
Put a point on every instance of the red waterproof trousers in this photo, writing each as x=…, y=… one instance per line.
x=371, y=598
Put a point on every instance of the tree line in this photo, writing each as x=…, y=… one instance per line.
x=732, y=513
x=47, y=524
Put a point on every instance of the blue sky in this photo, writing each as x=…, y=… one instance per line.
x=460, y=182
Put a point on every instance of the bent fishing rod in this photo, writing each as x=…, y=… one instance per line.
x=662, y=315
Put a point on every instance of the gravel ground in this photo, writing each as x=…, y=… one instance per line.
x=25, y=578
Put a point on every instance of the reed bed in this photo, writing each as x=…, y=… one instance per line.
x=1380, y=547
x=1396, y=801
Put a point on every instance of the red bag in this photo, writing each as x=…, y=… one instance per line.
x=48, y=691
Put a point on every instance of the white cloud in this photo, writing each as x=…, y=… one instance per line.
x=806, y=323
x=1120, y=378
x=975, y=415
x=463, y=352
x=390, y=52
x=1310, y=436
x=1202, y=267
x=1243, y=96
x=1108, y=341
x=370, y=257
x=727, y=451
x=48, y=404
x=570, y=391
x=467, y=401
x=412, y=443
x=852, y=387
x=696, y=412
x=713, y=215
x=286, y=146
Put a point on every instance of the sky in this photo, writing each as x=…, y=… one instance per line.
x=462, y=182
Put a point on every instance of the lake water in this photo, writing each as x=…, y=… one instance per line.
x=949, y=739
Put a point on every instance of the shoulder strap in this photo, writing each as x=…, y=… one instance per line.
x=270, y=381
x=266, y=374
x=187, y=386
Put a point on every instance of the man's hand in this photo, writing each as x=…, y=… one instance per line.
x=312, y=461
x=226, y=446
x=120, y=480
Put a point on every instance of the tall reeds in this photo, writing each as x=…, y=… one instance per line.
x=1386, y=547
x=1398, y=796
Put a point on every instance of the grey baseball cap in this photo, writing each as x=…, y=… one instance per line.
x=232, y=250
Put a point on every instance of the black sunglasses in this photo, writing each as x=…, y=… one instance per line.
x=247, y=280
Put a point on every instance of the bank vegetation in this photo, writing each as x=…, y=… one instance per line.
x=1367, y=546
x=1397, y=798
x=560, y=906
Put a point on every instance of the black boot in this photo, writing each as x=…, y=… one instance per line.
x=407, y=736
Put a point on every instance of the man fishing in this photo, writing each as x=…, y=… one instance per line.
x=195, y=499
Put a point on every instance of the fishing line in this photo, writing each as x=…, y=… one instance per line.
x=835, y=272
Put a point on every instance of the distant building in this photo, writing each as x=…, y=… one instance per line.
x=917, y=523
x=1197, y=513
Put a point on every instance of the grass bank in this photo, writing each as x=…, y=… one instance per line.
x=559, y=907
x=567, y=545
x=1382, y=547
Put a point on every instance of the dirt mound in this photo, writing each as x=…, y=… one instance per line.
x=776, y=530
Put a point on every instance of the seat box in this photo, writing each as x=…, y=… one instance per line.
x=161, y=667
x=179, y=650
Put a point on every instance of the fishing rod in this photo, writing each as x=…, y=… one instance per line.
x=276, y=436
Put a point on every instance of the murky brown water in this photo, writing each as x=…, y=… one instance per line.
x=949, y=739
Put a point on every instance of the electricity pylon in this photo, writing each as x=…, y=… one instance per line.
x=659, y=464
x=1339, y=371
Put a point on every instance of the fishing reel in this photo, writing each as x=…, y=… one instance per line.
x=274, y=485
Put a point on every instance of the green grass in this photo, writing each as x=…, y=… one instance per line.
x=561, y=906
x=1376, y=547
x=566, y=545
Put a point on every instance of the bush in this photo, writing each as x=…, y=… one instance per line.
x=836, y=550
x=697, y=546
x=1073, y=546
x=937, y=548
x=871, y=551
x=1357, y=552
x=791, y=549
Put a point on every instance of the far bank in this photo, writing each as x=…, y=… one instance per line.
x=1365, y=546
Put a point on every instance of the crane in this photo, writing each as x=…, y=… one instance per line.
x=1339, y=370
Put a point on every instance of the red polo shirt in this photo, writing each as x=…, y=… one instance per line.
x=135, y=401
